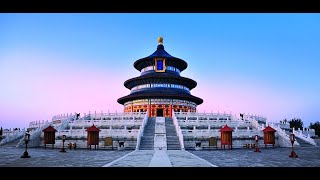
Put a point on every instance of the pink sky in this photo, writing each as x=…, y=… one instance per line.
x=37, y=86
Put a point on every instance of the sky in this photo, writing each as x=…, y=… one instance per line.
x=263, y=64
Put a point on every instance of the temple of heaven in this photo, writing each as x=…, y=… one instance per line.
x=160, y=88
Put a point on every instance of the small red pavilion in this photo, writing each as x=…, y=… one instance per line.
x=93, y=136
x=269, y=136
x=226, y=136
x=49, y=136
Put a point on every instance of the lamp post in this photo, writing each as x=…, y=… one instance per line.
x=257, y=145
x=292, y=139
x=63, y=140
x=26, y=140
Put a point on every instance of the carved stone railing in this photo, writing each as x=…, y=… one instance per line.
x=284, y=138
x=178, y=130
x=303, y=137
x=16, y=134
x=140, y=132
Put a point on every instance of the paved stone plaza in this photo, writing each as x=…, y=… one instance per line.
x=151, y=158
x=278, y=157
x=10, y=157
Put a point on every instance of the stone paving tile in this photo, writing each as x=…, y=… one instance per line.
x=140, y=158
x=10, y=157
x=278, y=157
x=181, y=158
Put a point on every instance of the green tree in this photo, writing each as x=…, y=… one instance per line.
x=316, y=127
x=296, y=123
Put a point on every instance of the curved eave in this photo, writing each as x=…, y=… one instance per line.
x=187, y=97
x=160, y=77
x=149, y=61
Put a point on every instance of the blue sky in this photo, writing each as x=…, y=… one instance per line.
x=263, y=64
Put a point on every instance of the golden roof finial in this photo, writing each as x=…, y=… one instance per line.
x=160, y=40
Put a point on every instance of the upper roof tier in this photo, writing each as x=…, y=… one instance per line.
x=160, y=53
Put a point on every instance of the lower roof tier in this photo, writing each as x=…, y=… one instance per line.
x=160, y=95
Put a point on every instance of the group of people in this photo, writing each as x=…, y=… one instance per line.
x=72, y=146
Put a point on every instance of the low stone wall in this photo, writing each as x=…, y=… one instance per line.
x=82, y=144
x=191, y=144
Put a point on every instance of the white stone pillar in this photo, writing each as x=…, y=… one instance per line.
x=197, y=120
x=83, y=130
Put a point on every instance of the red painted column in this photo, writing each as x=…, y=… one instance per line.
x=149, y=110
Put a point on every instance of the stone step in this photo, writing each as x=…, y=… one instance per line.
x=173, y=145
x=173, y=141
x=173, y=148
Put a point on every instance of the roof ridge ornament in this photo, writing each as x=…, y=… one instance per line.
x=160, y=40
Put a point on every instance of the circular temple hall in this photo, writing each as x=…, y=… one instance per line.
x=160, y=88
